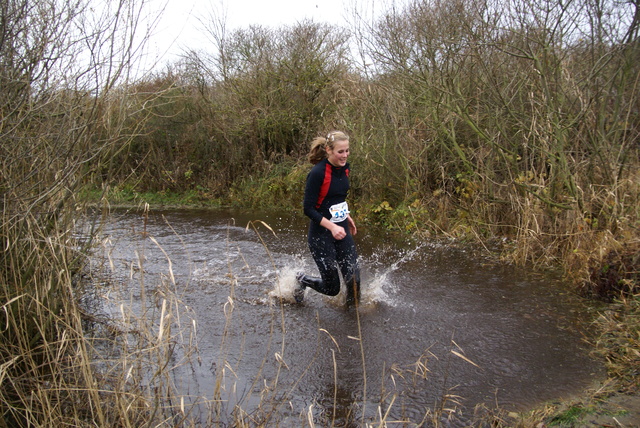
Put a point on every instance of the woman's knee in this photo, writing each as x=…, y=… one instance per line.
x=333, y=290
x=331, y=284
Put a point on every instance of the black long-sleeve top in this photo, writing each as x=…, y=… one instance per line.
x=326, y=186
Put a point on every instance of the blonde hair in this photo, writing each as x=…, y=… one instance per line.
x=319, y=145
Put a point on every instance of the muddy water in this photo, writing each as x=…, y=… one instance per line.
x=438, y=330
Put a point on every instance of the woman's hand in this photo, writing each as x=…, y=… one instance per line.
x=338, y=232
x=352, y=226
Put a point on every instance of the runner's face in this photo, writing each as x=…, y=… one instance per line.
x=339, y=154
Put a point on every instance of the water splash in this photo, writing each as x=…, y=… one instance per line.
x=285, y=283
x=376, y=289
x=376, y=282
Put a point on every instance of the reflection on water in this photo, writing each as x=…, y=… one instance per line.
x=437, y=332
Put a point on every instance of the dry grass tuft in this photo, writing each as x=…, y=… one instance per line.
x=619, y=341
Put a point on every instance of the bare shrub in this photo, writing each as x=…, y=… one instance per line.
x=522, y=113
x=59, y=63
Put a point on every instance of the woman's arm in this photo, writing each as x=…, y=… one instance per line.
x=352, y=225
x=311, y=191
x=337, y=231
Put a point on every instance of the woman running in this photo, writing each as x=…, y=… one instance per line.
x=331, y=228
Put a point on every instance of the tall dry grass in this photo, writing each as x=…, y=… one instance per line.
x=59, y=64
x=521, y=124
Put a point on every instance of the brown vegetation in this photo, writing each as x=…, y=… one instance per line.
x=465, y=121
x=474, y=119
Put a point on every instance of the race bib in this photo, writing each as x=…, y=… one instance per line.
x=339, y=212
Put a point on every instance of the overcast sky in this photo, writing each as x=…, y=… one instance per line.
x=180, y=27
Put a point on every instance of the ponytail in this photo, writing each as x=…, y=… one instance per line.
x=318, y=150
x=319, y=145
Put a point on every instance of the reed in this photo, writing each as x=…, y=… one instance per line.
x=59, y=116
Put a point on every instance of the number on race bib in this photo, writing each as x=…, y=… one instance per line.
x=339, y=212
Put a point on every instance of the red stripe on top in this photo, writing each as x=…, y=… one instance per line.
x=324, y=189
